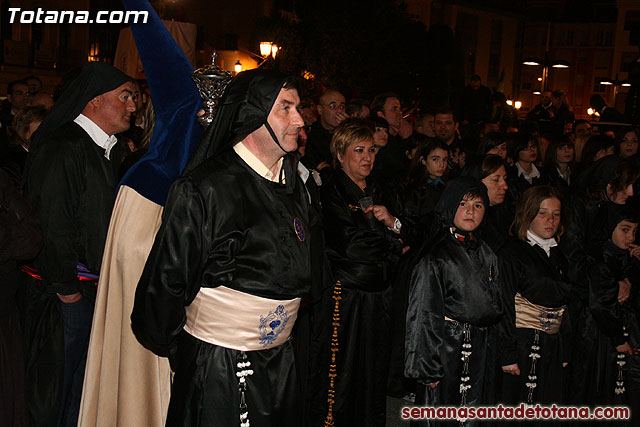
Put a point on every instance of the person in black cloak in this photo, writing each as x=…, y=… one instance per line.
x=492, y=171
x=70, y=179
x=534, y=333
x=607, y=182
x=454, y=303
x=363, y=247
x=220, y=291
x=612, y=367
x=20, y=239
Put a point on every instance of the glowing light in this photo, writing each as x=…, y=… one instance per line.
x=274, y=51
x=265, y=48
x=237, y=67
x=539, y=79
x=517, y=105
x=531, y=61
x=590, y=111
x=509, y=102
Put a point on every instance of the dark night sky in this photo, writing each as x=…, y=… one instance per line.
x=554, y=10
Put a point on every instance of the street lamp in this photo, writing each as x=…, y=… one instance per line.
x=616, y=84
x=265, y=48
x=546, y=62
x=238, y=66
x=269, y=48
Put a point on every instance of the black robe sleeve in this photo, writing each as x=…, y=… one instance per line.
x=20, y=234
x=362, y=252
x=172, y=274
x=59, y=180
x=603, y=302
x=425, y=323
x=510, y=276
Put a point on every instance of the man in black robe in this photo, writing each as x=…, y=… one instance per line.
x=221, y=288
x=71, y=182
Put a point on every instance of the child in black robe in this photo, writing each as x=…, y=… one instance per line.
x=534, y=334
x=613, y=369
x=454, y=303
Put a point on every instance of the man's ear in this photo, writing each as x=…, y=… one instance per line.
x=380, y=114
x=96, y=102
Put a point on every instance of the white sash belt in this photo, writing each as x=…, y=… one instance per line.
x=240, y=321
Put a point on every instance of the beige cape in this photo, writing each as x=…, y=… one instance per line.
x=124, y=384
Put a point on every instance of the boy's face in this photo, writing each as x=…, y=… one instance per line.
x=624, y=234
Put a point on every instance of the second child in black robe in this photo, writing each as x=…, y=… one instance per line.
x=539, y=278
x=454, y=302
x=615, y=323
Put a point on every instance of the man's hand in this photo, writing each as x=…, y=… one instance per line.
x=69, y=299
x=340, y=116
x=511, y=369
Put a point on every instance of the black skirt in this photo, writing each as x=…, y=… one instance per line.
x=205, y=389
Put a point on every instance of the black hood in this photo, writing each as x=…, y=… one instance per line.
x=245, y=106
x=454, y=192
x=615, y=215
x=96, y=78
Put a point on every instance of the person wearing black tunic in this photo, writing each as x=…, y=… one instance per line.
x=607, y=182
x=454, y=303
x=524, y=151
x=559, y=163
x=425, y=181
x=534, y=331
x=363, y=246
x=70, y=179
x=492, y=171
x=20, y=239
x=220, y=291
x=613, y=368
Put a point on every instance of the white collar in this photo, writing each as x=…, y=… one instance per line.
x=545, y=244
x=303, y=172
x=256, y=164
x=568, y=178
x=535, y=173
x=100, y=137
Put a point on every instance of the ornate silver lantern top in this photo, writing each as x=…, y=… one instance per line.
x=211, y=82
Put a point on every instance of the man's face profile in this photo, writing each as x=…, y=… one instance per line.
x=392, y=111
x=285, y=120
x=113, y=112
